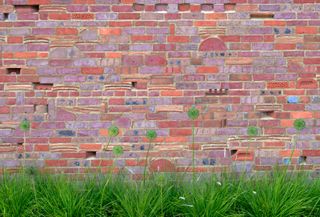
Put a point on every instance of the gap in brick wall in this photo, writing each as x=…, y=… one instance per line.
x=11, y=71
x=42, y=86
x=261, y=16
x=26, y=8
x=233, y=151
x=134, y=84
x=215, y=92
x=223, y=123
x=138, y=7
x=5, y=16
x=229, y=6
x=41, y=108
x=91, y=154
x=161, y=7
x=207, y=7
x=302, y=159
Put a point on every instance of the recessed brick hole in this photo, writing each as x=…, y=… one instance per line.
x=5, y=16
x=161, y=7
x=207, y=7
x=20, y=143
x=91, y=154
x=261, y=16
x=302, y=159
x=40, y=86
x=26, y=9
x=233, y=152
x=223, y=122
x=16, y=71
x=214, y=92
x=229, y=6
x=134, y=84
x=138, y=7
x=184, y=7
x=41, y=108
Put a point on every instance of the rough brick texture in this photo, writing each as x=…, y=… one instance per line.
x=75, y=67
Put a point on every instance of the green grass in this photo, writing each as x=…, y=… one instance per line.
x=275, y=194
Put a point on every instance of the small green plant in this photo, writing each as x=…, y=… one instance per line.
x=25, y=125
x=299, y=124
x=117, y=150
x=151, y=135
x=113, y=131
x=193, y=114
x=252, y=131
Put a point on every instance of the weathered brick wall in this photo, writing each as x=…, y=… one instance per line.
x=75, y=67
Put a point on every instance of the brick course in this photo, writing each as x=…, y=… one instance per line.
x=74, y=68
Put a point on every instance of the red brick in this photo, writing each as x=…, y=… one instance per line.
x=180, y=132
x=311, y=153
x=41, y=147
x=178, y=39
x=285, y=46
x=110, y=31
x=207, y=69
x=60, y=140
x=280, y=85
x=300, y=114
x=205, y=23
x=132, y=163
x=56, y=163
x=66, y=31
x=311, y=61
x=184, y=7
x=92, y=70
x=54, y=16
x=128, y=16
x=216, y=16
x=14, y=39
x=289, y=153
x=90, y=147
x=102, y=163
x=83, y=16
x=275, y=23
x=141, y=38
x=155, y=60
x=306, y=30
x=4, y=109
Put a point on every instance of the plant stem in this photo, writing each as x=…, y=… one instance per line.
x=193, y=155
x=146, y=164
x=293, y=149
x=105, y=149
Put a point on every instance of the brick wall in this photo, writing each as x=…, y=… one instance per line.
x=73, y=68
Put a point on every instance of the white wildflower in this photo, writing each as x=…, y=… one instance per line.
x=182, y=198
x=189, y=205
x=254, y=192
x=219, y=183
